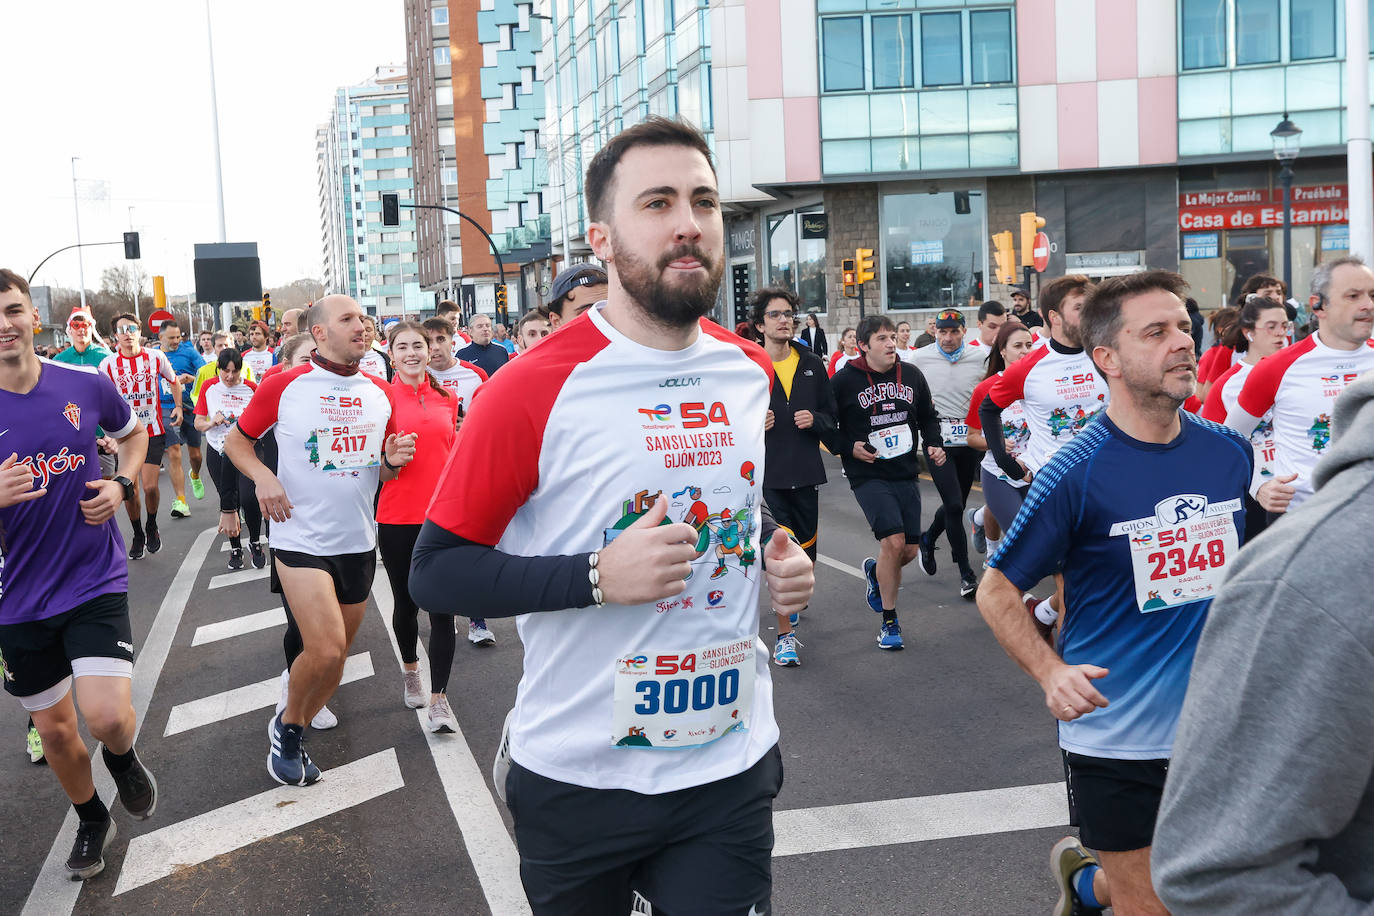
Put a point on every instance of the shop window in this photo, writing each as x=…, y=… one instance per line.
x=990, y=45
x=1105, y=217
x=892, y=52
x=796, y=263
x=1204, y=34
x=933, y=254
x=842, y=50
x=1257, y=31
x=942, y=49
x=1312, y=29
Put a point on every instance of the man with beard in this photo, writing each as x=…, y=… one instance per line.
x=1143, y=513
x=605, y=491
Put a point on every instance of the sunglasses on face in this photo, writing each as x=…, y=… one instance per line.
x=127, y=329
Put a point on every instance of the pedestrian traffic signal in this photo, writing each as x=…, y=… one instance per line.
x=1031, y=224
x=863, y=263
x=978, y=285
x=131, y=252
x=502, y=304
x=1004, y=250
x=391, y=210
x=849, y=278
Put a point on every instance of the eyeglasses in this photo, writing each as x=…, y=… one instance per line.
x=127, y=329
x=1272, y=326
x=775, y=315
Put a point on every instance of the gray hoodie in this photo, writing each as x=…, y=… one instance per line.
x=1269, y=805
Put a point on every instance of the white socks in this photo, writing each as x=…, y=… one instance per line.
x=1045, y=613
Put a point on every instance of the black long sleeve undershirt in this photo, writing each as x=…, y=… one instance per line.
x=990, y=415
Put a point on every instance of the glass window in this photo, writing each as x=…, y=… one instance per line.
x=931, y=252
x=944, y=112
x=992, y=150
x=1257, y=31
x=843, y=117
x=841, y=157
x=989, y=33
x=1312, y=28
x=896, y=154
x=892, y=65
x=894, y=114
x=842, y=53
x=991, y=109
x=795, y=263
x=440, y=14
x=1206, y=95
x=443, y=95
x=441, y=58
x=942, y=49
x=1204, y=34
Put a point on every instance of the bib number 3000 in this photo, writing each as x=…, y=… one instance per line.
x=683, y=699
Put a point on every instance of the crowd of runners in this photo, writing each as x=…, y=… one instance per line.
x=521, y=476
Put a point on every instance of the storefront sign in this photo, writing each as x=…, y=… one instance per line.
x=1091, y=260
x=1253, y=208
x=1201, y=245
x=928, y=252
x=742, y=239
x=1336, y=238
x=815, y=226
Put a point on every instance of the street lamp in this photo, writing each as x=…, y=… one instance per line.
x=1287, y=138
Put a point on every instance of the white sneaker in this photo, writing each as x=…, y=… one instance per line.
x=324, y=719
x=441, y=718
x=479, y=635
x=415, y=690
x=285, y=686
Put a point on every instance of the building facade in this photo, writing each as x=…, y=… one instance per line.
x=362, y=152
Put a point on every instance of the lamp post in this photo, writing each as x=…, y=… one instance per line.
x=1287, y=138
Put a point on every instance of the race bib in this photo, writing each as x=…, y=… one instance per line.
x=146, y=414
x=683, y=699
x=953, y=432
x=892, y=441
x=351, y=447
x=1179, y=556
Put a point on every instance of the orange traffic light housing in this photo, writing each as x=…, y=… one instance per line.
x=1031, y=224
x=849, y=278
x=1004, y=252
x=863, y=258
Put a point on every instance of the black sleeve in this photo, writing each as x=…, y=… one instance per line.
x=826, y=416
x=452, y=575
x=990, y=415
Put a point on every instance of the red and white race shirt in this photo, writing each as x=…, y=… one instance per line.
x=563, y=451
x=330, y=429
x=232, y=401
x=1015, y=431
x=1222, y=400
x=462, y=378
x=1061, y=393
x=259, y=361
x=1299, y=384
x=136, y=379
x=373, y=363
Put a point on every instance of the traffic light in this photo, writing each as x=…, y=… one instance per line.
x=863, y=264
x=978, y=284
x=265, y=308
x=131, y=252
x=1005, y=253
x=849, y=277
x=391, y=210
x=502, y=304
x=1031, y=224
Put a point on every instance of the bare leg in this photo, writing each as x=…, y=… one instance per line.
x=893, y=553
x=64, y=750
x=1130, y=891
x=175, y=471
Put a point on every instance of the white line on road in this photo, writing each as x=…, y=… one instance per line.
x=241, y=575
x=854, y=571
x=240, y=700
x=238, y=626
x=156, y=855
x=914, y=820
x=54, y=892
x=488, y=843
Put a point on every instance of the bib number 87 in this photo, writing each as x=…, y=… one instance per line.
x=891, y=441
x=1174, y=562
x=675, y=695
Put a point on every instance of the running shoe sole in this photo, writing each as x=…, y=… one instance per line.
x=1066, y=858
x=90, y=871
x=925, y=557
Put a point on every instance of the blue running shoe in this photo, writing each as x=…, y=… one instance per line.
x=875, y=599
x=287, y=761
x=980, y=534
x=890, y=636
x=785, y=652
x=794, y=618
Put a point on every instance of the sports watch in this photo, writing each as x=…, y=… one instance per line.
x=128, y=486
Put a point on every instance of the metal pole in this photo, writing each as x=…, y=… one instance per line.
x=1357, y=146
x=133, y=272
x=448, y=245
x=1286, y=176
x=80, y=263
x=214, y=126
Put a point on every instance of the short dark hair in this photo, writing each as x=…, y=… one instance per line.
x=1053, y=294
x=1100, y=325
x=538, y=313
x=758, y=302
x=446, y=305
x=991, y=307
x=122, y=316
x=871, y=325
x=10, y=280
x=904, y=322
x=653, y=131
x=1258, y=282
x=438, y=326
x=229, y=357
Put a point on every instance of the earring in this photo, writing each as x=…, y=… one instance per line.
x=1249, y=336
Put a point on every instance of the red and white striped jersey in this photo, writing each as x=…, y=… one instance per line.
x=462, y=378
x=136, y=379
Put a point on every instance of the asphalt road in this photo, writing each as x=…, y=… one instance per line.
x=922, y=781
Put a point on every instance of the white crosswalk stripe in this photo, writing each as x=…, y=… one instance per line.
x=242, y=575
x=238, y=626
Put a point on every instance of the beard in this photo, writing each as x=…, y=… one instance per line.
x=1167, y=389
x=674, y=304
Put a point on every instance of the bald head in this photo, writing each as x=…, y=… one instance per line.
x=290, y=322
x=336, y=323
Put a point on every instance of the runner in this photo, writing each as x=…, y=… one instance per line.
x=550, y=509
x=1218, y=358
x=904, y=338
x=210, y=371
x=848, y=351
x=952, y=370
x=64, y=606
x=332, y=426
x=219, y=404
x=259, y=356
x=1002, y=494
x=1261, y=331
x=87, y=349
x=801, y=416
x=991, y=316
x=135, y=372
x=575, y=290
x=205, y=344
x=427, y=409
x=884, y=405
x=455, y=375
x=532, y=327
x=186, y=362
x=482, y=352
x=374, y=361
x=289, y=327
x=1142, y=513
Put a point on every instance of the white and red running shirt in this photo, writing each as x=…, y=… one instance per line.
x=1299, y=383
x=1015, y=432
x=1222, y=399
x=567, y=447
x=230, y=400
x=330, y=430
x=259, y=360
x=136, y=379
x=462, y=378
x=1061, y=392
x=374, y=363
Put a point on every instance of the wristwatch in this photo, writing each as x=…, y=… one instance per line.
x=128, y=486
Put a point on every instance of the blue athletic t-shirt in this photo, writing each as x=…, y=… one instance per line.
x=1142, y=533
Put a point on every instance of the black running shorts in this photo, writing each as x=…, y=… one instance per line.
x=38, y=654
x=352, y=572
x=797, y=510
x=891, y=507
x=157, y=447
x=1114, y=803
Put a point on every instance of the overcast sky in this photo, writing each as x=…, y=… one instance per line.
x=125, y=86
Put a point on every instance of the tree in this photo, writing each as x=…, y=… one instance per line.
x=124, y=282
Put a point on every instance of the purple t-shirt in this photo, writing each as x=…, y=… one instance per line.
x=52, y=561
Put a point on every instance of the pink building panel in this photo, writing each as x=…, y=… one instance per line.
x=763, y=24
x=802, y=131
x=1035, y=61
x=1077, y=125
x=1116, y=39
x=1158, y=119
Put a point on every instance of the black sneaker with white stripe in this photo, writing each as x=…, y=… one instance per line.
x=137, y=790
x=287, y=761
x=88, y=852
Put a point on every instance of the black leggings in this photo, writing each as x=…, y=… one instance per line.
x=953, y=480
x=236, y=494
x=397, y=543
